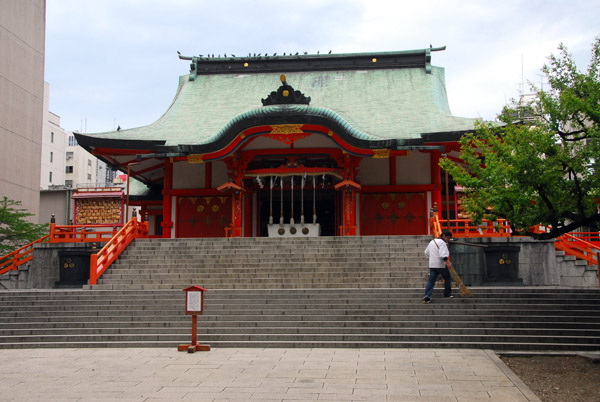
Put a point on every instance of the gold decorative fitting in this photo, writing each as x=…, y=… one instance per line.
x=381, y=153
x=197, y=158
x=243, y=135
x=245, y=64
x=286, y=93
x=330, y=133
x=374, y=60
x=287, y=129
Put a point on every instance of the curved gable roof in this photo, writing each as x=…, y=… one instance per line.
x=400, y=104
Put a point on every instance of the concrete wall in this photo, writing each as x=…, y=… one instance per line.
x=53, y=147
x=22, y=46
x=57, y=202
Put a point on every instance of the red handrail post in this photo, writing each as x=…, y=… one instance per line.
x=93, y=269
x=52, y=232
x=598, y=265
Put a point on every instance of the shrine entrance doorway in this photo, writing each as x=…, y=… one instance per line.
x=323, y=201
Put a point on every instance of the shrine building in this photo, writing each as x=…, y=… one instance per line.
x=295, y=145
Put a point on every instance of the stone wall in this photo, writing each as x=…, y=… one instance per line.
x=538, y=263
x=44, y=271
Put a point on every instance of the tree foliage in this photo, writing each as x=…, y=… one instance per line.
x=542, y=170
x=15, y=229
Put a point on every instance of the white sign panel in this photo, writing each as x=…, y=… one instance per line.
x=194, y=301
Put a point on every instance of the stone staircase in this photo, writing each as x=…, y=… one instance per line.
x=515, y=319
x=267, y=263
x=294, y=301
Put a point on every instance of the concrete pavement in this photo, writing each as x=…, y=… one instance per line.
x=255, y=374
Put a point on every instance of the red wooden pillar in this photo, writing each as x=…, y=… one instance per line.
x=350, y=207
x=208, y=175
x=248, y=214
x=236, y=167
x=237, y=197
x=436, y=180
x=237, y=211
x=349, y=190
x=392, y=167
x=167, y=223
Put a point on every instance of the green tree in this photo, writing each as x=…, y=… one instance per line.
x=543, y=169
x=15, y=229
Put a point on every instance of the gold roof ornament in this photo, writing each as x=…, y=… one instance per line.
x=196, y=158
x=381, y=153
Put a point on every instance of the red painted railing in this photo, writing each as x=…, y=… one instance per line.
x=577, y=244
x=590, y=237
x=115, y=246
x=62, y=234
x=579, y=248
x=582, y=245
x=82, y=233
x=20, y=256
x=465, y=228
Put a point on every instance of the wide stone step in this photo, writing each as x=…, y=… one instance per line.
x=501, y=319
x=225, y=322
x=499, y=342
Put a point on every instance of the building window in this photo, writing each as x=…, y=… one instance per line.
x=50, y=177
x=72, y=141
x=69, y=155
x=89, y=162
x=68, y=183
x=89, y=177
x=51, y=157
x=52, y=137
x=69, y=169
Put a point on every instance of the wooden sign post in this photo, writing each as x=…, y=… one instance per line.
x=194, y=305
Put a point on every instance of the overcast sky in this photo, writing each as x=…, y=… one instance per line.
x=114, y=62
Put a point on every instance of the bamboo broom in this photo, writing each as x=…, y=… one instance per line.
x=464, y=291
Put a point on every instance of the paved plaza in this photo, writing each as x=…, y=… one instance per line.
x=255, y=374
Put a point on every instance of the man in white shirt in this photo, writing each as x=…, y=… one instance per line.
x=438, y=254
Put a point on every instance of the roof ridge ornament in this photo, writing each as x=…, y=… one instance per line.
x=285, y=95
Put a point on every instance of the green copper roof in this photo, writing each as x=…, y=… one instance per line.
x=377, y=104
